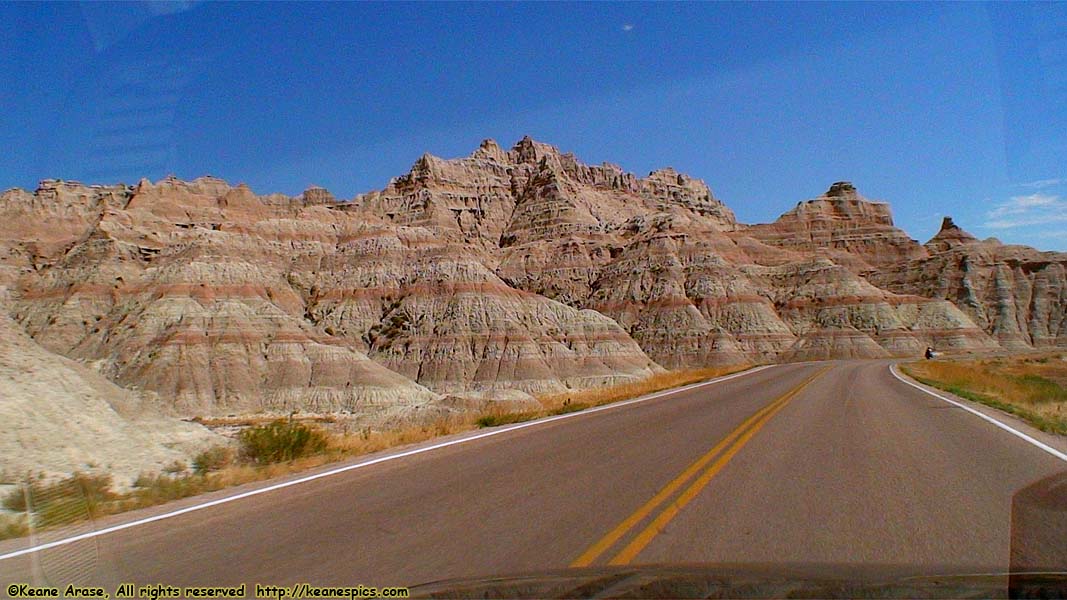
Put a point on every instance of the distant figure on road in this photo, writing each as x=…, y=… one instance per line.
x=929, y=353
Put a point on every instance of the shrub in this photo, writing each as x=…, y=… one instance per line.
x=176, y=467
x=281, y=441
x=155, y=489
x=12, y=527
x=213, y=459
x=14, y=500
x=65, y=500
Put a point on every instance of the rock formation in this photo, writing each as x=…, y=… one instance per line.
x=218, y=301
x=843, y=226
x=670, y=264
x=948, y=237
x=485, y=278
x=1016, y=294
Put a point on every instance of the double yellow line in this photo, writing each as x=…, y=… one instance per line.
x=732, y=444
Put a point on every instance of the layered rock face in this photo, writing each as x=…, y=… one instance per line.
x=159, y=295
x=429, y=311
x=216, y=301
x=670, y=264
x=494, y=276
x=1015, y=293
x=837, y=314
x=680, y=294
x=843, y=226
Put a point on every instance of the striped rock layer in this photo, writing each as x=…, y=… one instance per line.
x=497, y=276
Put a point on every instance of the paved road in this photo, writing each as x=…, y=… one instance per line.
x=833, y=462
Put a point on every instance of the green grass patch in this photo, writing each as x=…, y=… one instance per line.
x=1044, y=423
x=1040, y=389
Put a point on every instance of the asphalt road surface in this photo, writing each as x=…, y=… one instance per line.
x=813, y=463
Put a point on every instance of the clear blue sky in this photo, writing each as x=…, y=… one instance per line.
x=956, y=109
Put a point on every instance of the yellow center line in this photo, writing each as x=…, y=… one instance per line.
x=759, y=418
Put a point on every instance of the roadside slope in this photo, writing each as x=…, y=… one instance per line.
x=857, y=467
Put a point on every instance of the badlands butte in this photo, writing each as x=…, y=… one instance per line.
x=463, y=283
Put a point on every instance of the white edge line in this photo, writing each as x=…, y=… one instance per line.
x=368, y=463
x=1015, y=432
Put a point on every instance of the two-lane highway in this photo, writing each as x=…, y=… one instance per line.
x=829, y=462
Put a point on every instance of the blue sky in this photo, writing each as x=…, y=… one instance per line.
x=941, y=109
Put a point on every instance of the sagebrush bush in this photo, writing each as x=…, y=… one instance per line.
x=65, y=500
x=176, y=467
x=281, y=441
x=154, y=489
x=13, y=526
x=213, y=459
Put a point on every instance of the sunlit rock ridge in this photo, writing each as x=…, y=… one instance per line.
x=492, y=277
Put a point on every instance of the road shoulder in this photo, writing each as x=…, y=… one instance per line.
x=1053, y=441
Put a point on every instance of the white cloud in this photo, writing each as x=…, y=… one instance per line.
x=1022, y=211
x=628, y=27
x=1043, y=183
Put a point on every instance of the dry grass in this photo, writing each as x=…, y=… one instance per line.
x=366, y=442
x=615, y=393
x=256, y=420
x=567, y=402
x=1031, y=387
x=13, y=526
x=210, y=475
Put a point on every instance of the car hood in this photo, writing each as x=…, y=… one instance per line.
x=752, y=581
